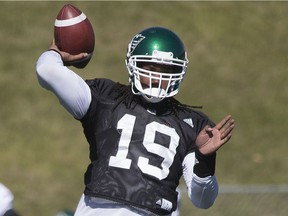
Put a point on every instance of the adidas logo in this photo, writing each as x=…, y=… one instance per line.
x=165, y=204
x=189, y=121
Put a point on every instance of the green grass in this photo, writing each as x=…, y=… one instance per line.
x=238, y=65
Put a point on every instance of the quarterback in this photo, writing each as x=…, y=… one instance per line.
x=141, y=139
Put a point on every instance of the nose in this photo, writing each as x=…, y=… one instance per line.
x=155, y=83
x=155, y=78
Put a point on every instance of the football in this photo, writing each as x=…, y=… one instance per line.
x=73, y=33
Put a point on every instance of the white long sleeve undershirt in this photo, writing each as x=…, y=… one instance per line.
x=72, y=91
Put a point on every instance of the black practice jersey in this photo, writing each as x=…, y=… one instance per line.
x=137, y=151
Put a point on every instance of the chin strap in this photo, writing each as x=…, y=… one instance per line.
x=152, y=99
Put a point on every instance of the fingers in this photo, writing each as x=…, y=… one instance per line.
x=53, y=41
x=67, y=57
x=222, y=123
x=53, y=45
x=225, y=131
x=76, y=57
x=226, y=139
x=227, y=126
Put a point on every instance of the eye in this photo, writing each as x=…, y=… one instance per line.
x=177, y=69
x=165, y=77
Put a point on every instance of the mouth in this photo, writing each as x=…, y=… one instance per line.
x=153, y=85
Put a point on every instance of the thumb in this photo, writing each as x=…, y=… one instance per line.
x=209, y=130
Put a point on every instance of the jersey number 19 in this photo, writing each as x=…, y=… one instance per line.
x=126, y=123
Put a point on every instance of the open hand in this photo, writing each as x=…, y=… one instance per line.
x=209, y=140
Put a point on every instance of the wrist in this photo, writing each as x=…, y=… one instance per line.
x=205, y=165
x=57, y=51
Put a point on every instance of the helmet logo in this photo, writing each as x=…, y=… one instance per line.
x=134, y=42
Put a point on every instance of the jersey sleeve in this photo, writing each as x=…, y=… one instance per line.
x=71, y=90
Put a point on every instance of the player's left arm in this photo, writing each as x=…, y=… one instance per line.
x=208, y=141
x=199, y=166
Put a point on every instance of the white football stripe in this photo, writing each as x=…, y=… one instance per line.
x=70, y=22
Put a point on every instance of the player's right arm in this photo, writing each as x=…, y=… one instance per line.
x=71, y=90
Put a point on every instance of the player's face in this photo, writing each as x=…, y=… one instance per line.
x=155, y=82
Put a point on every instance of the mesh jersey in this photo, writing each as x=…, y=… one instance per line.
x=136, y=156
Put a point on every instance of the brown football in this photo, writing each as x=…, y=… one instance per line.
x=74, y=34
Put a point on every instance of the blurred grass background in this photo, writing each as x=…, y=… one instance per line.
x=238, y=65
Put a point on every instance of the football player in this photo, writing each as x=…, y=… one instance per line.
x=141, y=139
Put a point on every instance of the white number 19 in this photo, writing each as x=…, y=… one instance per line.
x=126, y=123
